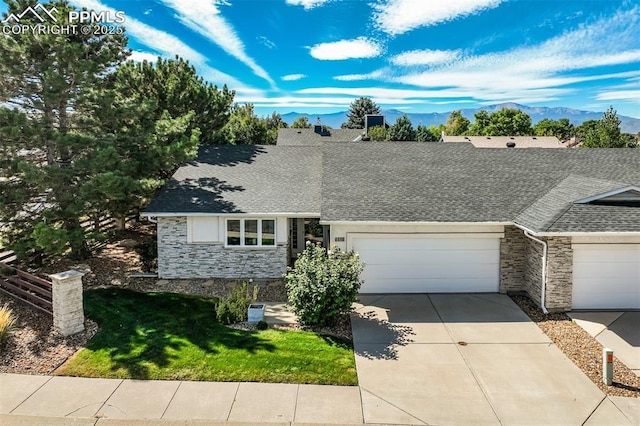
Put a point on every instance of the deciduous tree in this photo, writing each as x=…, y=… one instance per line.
x=457, y=124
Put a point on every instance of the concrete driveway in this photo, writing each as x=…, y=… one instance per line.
x=464, y=359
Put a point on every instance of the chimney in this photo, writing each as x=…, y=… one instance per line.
x=373, y=120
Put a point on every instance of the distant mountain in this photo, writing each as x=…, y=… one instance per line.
x=577, y=117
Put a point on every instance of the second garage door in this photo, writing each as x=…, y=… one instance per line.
x=606, y=276
x=428, y=263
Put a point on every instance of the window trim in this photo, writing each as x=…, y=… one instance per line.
x=242, y=233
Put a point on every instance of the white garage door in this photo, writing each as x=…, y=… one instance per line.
x=423, y=263
x=606, y=276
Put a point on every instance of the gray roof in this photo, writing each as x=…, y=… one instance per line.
x=308, y=137
x=543, y=214
x=244, y=179
x=410, y=182
x=501, y=141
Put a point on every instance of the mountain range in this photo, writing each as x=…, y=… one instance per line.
x=577, y=117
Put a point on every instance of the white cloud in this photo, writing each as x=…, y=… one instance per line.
x=373, y=75
x=400, y=16
x=626, y=95
x=307, y=4
x=425, y=57
x=360, y=47
x=292, y=77
x=543, y=71
x=165, y=44
x=204, y=18
x=143, y=56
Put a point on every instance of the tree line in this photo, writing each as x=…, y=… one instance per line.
x=603, y=133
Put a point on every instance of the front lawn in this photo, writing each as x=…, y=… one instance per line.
x=176, y=337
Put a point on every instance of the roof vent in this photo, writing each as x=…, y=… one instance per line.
x=511, y=137
x=488, y=137
x=534, y=138
x=511, y=144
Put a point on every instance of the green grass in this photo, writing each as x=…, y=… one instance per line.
x=176, y=337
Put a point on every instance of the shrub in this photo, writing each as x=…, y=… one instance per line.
x=234, y=307
x=7, y=323
x=262, y=325
x=323, y=284
x=148, y=251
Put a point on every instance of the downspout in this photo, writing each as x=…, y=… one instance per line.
x=543, y=287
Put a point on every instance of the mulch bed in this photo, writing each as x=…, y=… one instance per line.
x=35, y=347
x=581, y=348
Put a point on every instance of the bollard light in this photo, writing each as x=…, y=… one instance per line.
x=607, y=366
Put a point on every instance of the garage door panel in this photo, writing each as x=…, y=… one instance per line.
x=434, y=285
x=427, y=272
x=606, y=276
x=409, y=263
x=410, y=258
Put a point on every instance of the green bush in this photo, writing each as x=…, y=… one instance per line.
x=148, y=251
x=262, y=325
x=7, y=323
x=323, y=284
x=234, y=307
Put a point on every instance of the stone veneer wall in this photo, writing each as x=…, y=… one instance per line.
x=559, y=274
x=512, y=260
x=179, y=259
x=533, y=269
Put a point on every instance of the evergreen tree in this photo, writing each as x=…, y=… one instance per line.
x=402, y=130
x=48, y=78
x=357, y=110
x=155, y=116
x=606, y=133
x=427, y=134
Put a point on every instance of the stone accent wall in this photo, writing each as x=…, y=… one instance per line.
x=179, y=259
x=512, y=260
x=68, y=310
x=533, y=269
x=559, y=274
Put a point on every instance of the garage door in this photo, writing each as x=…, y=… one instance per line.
x=606, y=276
x=423, y=263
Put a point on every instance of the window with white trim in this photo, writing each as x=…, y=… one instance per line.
x=251, y=233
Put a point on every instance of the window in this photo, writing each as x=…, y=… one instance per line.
x=251, y=232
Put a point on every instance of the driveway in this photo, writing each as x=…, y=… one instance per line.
x=464, y=359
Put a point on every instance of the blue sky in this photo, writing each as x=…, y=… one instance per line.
x=316, y=56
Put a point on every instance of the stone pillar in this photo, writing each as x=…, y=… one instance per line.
x=68, y=312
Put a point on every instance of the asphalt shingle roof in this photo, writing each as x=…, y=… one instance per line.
x=410, y=182
x=501, y=141
x=307, y=137
x=244, y=179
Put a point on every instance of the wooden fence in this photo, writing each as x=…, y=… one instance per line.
x=30, y=289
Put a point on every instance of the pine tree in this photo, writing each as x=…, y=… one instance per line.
x=48, y=78
x=402, y=130
x=357, y=110
x=606, y=133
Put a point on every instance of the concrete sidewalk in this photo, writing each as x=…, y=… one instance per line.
x=87, y=401
x=619, y=331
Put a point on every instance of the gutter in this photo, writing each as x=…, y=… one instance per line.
x=543, y=287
